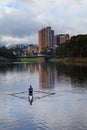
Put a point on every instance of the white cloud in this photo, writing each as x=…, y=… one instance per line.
x=23, y=18
x=19, y=40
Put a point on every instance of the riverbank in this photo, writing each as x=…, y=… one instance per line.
x=66, y=60
x=31, y=59
x=3, y=60
x=70, y=60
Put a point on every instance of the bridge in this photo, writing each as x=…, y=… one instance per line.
x=46, y=57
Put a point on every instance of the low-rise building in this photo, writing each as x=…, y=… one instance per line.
x=32, y=49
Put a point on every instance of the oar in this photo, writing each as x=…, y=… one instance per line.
x=17, y=93
x=44, y=92
x=34, y=91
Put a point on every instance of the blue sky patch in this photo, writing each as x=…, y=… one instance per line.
x=14, y=5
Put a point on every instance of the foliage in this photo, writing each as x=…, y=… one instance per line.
x=30, y=59
x=48, y=51
x=19, y=51
x=7, y=53
x=75, y=47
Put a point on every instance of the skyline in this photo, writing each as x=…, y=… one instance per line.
x=20, y=20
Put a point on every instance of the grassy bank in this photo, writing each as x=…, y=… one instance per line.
x=70, y=60
x=66, y=60
x=75, y=60
x=31, y=59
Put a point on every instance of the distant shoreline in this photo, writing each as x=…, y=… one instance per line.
x=71, y=60
x=66, y=60
x=3, y=60
x=31, y=59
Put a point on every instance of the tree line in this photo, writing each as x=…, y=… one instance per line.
x=7, y=53
x=75, y=47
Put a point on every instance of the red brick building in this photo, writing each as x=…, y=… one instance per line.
x=45, y=38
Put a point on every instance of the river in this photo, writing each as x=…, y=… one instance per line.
x=59, y=98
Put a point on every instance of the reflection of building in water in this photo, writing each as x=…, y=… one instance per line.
x=46, y=76
x=33, y=68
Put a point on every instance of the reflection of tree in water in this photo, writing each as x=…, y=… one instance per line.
x=49, y=72
x=78, y=74
x=19, y=67
x=4, y=67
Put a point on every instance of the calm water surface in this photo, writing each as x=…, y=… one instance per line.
x=64, y=110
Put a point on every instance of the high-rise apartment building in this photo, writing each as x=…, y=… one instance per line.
x=46, y=38
x=61, y=38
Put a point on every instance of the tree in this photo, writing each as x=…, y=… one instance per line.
x=7, y=53
x=75, y=47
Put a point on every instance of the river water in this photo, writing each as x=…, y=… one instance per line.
x=59, y=98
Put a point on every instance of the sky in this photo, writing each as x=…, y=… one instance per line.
x=20, y=20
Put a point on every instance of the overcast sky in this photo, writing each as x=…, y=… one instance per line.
x=20, y=20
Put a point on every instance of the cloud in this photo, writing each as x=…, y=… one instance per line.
x=21, y=19
x=18, y=40
x=17, y=23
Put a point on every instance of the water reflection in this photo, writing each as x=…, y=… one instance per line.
x=63, y=110
x=30, y=99
x=18, y=67
x=46, y=75
x=49, y=72
x=77, y=74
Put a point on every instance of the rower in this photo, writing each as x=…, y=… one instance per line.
x=30, y=91
x=30, y=94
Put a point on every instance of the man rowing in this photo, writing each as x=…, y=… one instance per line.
x=30, y=94
x=30, y=91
